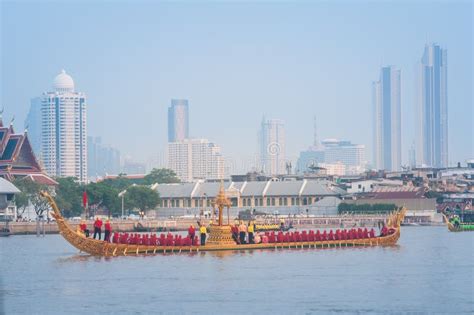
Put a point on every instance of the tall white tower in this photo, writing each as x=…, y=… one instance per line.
x=62, y=134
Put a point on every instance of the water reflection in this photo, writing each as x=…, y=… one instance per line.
x=224, y=254
x=81, y=258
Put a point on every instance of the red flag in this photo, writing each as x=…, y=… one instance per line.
x=84, y=199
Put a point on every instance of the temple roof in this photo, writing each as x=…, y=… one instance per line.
x=17, y=158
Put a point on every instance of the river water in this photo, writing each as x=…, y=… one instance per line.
x=430, y=271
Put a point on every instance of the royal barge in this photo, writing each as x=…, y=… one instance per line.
x=220, y=237
x=458, y=223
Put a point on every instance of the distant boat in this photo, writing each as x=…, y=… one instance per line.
x=410, y=224
x=220, y=237
x=5, y=230
x=454, y=224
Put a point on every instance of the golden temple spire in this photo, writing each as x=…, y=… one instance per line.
x=221, y=202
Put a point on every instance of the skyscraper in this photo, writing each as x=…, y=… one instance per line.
x=387, y=119
x=101, y=159
x=433, y=107
x=61, y=117
x=33, y=125
x=178, y=120
x=272, y=146
x=193, y=159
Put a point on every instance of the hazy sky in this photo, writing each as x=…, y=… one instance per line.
x=235, y=62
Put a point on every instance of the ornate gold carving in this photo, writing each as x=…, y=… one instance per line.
x=220, y=235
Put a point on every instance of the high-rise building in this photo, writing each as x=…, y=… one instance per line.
x=61, y=135
x=131, y=167
x=178, y=120
x=349, y=154
x=412, y=156
x=313, y=155
x=309, y=158
x=272, y=146
x=337, y=156
x=101, y=159
x=33, y=125
x=433, y=107
x=387, y=120
x=193, y=159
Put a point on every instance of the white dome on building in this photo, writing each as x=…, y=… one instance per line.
x=63, y=82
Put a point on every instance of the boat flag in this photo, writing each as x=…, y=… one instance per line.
x=84, y=199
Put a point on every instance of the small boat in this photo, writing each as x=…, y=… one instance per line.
x=5, y=229
x=219, y=239
x=410, y=224
x=455, y=225
x=5, y=232
x=273, y=227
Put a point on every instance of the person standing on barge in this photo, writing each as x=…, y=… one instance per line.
x=242, y=232
x=191, y=233
x=98, y=227
x=203, y=232
x=108, y=231
x=251, y=230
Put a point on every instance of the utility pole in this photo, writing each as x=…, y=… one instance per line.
x=122, y=195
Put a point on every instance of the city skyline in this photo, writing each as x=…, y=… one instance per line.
x=228, y=111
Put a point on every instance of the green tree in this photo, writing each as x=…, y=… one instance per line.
x=142, y=198
x=22, y=200
x=30, y=195
x=105, y=196
x=161, y=175
x=69, y=196
x=365, y=208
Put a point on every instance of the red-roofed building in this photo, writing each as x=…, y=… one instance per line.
x=17, y=159
x=127, y=176
x=402, y=192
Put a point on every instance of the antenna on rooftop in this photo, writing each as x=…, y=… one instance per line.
x=315, y=134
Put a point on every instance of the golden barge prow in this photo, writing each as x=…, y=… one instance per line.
x=220, y=237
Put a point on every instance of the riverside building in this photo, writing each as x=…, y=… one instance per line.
x=283, y=197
